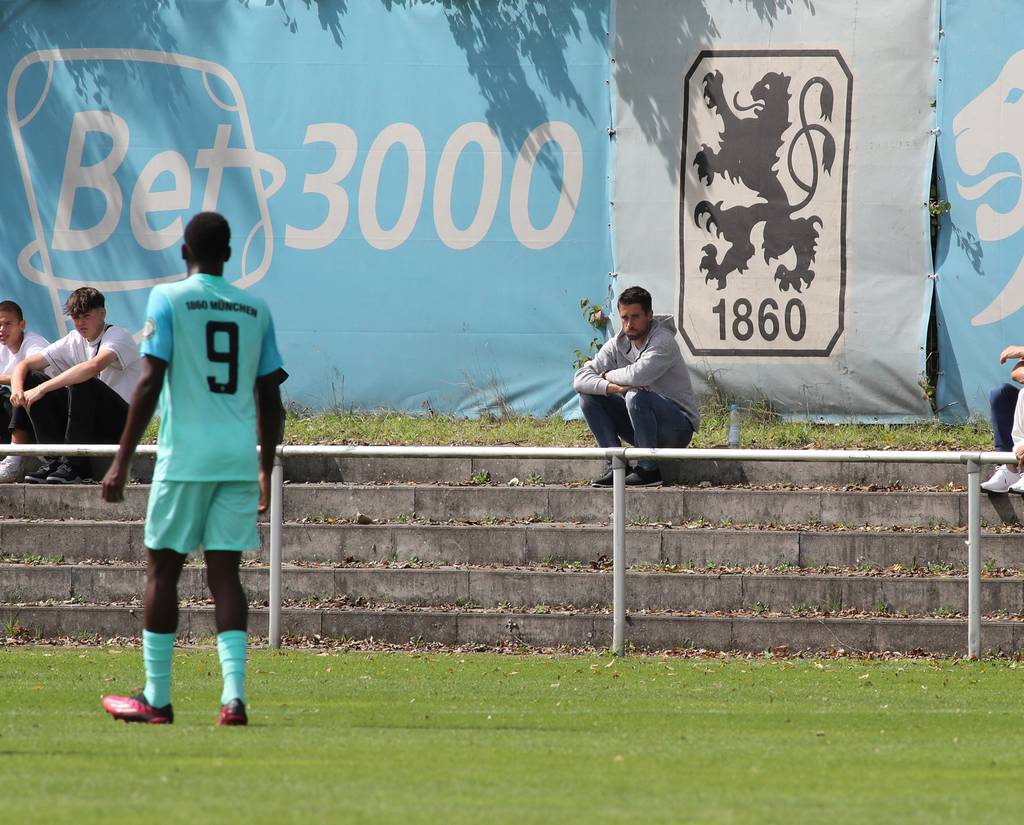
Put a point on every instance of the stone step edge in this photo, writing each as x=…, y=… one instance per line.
x=310, y=469
x=535, y=590
x=696, y=525
x=941, y=637
x=479, y=505
x=260, y=569
x=102, y=543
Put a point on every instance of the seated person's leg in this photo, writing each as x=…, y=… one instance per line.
x=608, y=419
x=47, y=420
x=96, y=415
x=657, y=422
x=10, y=467
x=1003, y=400
x=6, y=411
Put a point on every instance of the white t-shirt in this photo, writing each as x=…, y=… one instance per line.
x=31, y=343
x=123, y=373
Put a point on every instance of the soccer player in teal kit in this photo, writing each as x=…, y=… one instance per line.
x=207, y=346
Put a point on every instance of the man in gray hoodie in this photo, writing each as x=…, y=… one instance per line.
x=637, y=388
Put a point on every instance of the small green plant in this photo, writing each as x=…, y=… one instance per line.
x=11, y=628
x=483, y=477
x=937, y=207
x=319, y=518
x=760, y=607
x=945, y=611
x=598, y=318
x=533, y=478
x=834, y=604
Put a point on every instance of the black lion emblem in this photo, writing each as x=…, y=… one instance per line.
x=749, y=152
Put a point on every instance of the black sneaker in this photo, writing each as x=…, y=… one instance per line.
x=68, y=473
x=233, y=713
x=39, y=476
x=607, y=480
x=644, y=478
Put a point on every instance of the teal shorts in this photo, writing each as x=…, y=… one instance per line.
x=219, y=515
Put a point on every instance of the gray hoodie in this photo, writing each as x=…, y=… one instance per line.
x=660, y=367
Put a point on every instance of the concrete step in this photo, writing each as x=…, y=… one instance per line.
x=676, y=505
x=506, y=551
x=554, y=630
x=529, y=543
x=369, y=470
x=676, y=592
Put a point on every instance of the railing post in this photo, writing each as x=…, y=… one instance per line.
x=276, y=518
x=618, y=553
x=973, y=559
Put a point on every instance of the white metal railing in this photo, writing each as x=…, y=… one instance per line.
x=619, y=458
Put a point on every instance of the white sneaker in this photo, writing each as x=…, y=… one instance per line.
x=10, y=471
x=1002, y=480
x=1017, y=488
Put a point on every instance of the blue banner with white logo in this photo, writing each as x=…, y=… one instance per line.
x=419, y=190
x=980, y=255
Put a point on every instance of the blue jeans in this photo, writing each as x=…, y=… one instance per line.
x=1003, y=400
x=640, y=417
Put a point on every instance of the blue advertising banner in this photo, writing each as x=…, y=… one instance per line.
x=980, y=255
x=419, y=190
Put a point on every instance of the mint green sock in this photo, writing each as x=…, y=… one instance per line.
x=231, y=648
x=157, y=652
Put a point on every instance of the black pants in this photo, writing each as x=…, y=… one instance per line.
x=6, y=414
x=86, y=413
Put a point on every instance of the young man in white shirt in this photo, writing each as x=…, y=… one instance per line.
x=16, y=344
x=95, y=369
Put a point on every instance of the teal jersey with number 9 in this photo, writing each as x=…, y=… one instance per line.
x=216, y=340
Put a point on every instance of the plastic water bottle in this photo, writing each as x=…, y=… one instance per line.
x=734, y=427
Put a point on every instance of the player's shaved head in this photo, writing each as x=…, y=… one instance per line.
x=208, y=236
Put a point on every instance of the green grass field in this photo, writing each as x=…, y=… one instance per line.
x=425, y=737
